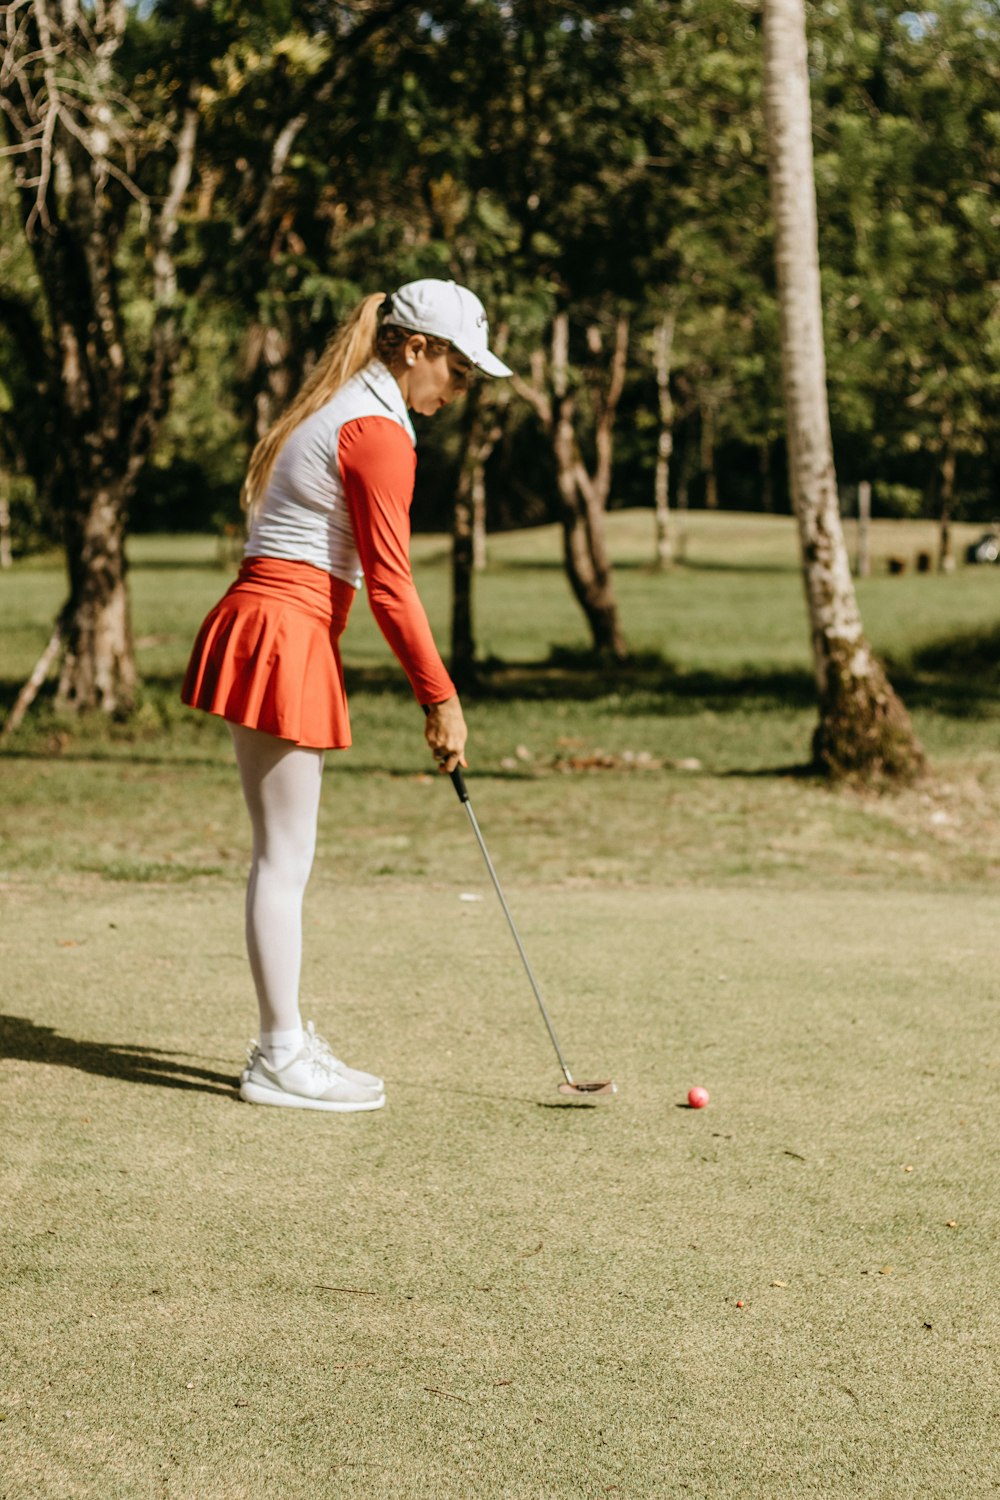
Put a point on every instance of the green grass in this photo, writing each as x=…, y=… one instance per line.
x=480, y=1294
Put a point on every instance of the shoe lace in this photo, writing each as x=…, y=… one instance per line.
x=319, y=1054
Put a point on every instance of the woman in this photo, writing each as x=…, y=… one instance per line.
x=328, y=490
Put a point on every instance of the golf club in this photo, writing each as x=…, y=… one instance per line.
x=570, y=1085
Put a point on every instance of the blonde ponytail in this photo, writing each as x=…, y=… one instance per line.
x=349, y=350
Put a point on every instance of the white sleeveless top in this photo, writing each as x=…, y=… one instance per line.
x=302, y=516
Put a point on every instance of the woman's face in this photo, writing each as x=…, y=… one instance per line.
x=430, y=381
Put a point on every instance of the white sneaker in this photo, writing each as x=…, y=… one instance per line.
x=366, y=1080
x=312, y=1080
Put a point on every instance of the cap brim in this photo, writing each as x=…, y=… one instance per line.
x=489, y=364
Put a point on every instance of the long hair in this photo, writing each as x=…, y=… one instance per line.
x=349, y=350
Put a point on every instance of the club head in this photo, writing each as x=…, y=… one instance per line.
x=602, y=1087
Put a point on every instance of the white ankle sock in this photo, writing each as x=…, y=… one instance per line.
x=279, y=1047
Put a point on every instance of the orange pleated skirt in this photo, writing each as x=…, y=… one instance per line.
x=267, y=656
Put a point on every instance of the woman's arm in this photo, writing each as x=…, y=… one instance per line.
x=377, y=466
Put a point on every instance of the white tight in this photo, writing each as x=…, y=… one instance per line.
x=281, y=785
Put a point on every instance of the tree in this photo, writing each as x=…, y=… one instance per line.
x=88, y=165
x=548, y=135
x=663, y=346
x=863, y=728
x=583, y=494
x=483, y=429
x=905, y=110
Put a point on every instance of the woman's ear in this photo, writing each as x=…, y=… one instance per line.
x=415, y=346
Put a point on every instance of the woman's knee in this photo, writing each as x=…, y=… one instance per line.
x=286, y=864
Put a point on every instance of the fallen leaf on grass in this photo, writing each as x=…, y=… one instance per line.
x=886, y=1271
x=779, y=1283
x=436, y=1391
x=352, y=1291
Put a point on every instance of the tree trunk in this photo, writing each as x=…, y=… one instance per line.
x=864, y=528
x=105, y=393
x=483, y=431
x=766, y=478
x=479, y=519
x=266, y=370
x=946, y=560
x=463, y=642
x=583, y=497
x=6, y=549
x=98, y=670
x=863, y=731
x=33, y=686
x=708, y=457
x=662, y=351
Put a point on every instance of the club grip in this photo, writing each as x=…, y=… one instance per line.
x=457, y=779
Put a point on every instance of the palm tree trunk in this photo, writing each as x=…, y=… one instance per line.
x=863, y=729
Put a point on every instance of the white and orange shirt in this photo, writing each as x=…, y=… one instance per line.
x=339, y=498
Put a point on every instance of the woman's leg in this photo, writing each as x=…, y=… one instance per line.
x=281, y=785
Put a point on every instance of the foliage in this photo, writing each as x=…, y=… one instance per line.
x=552, y=156
x=908, y=121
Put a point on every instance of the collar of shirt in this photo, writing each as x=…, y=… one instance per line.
x=383, y=384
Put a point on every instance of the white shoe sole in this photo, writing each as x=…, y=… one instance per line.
x=258, y=1093
x=363, y=1080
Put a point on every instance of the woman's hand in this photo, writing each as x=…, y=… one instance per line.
x=446, y=733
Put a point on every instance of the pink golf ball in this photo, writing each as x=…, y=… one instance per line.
x=697, y=1098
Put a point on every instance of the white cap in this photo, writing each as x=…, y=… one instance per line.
x=448, y=311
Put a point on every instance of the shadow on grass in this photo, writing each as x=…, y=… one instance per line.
x=640, y=565
x=646, y=683
x=957, y=677
x=25, y=1041
x=567, y=674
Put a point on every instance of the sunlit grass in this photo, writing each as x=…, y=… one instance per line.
x=480, y=1293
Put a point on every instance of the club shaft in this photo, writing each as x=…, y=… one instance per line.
x=520, y=946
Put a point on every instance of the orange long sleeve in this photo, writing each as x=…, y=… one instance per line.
x=377, y=465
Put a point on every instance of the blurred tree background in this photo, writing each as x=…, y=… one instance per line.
x=212, y=186
x=560, y=158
